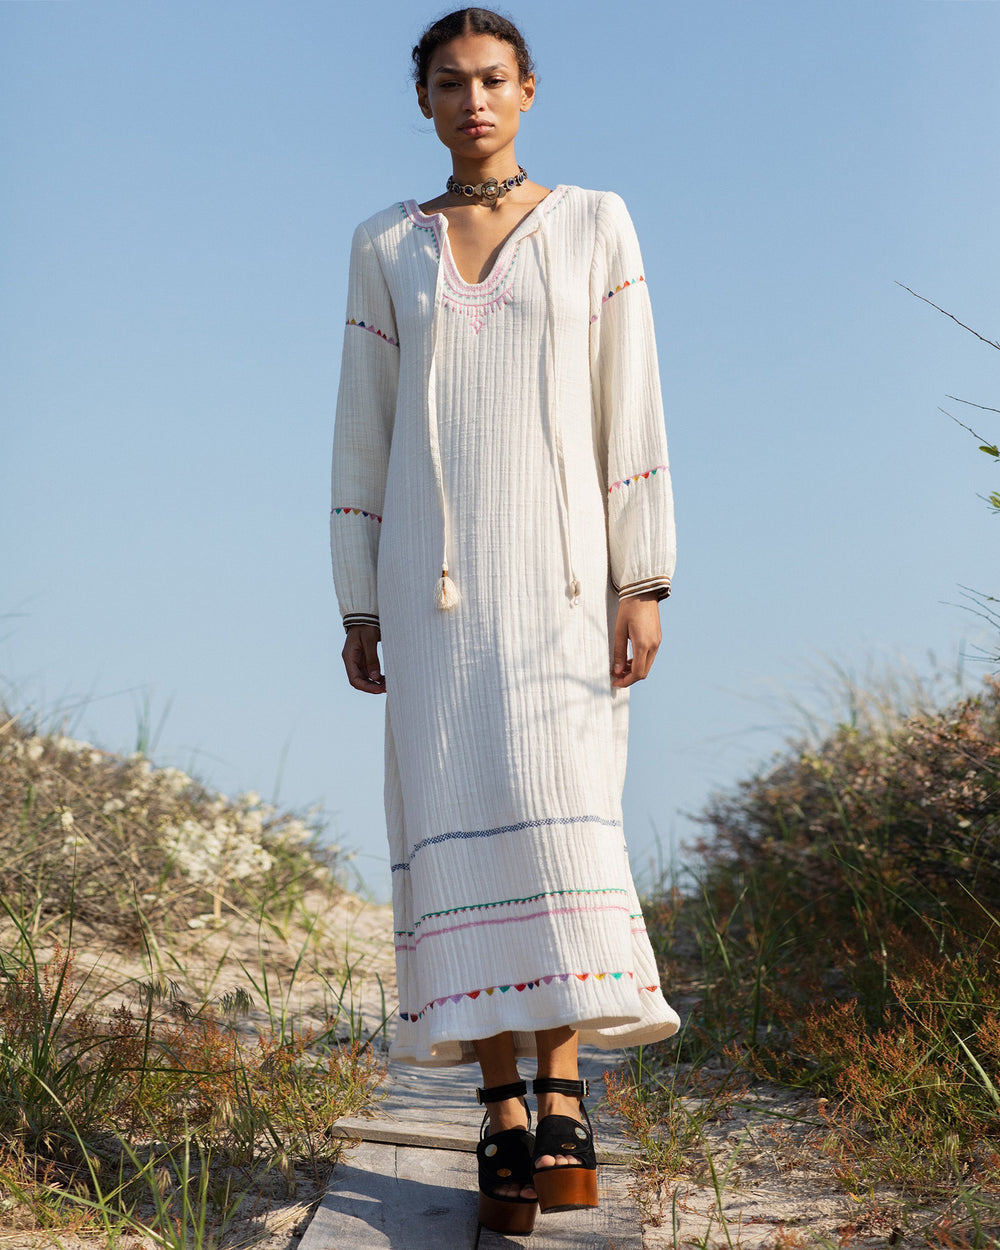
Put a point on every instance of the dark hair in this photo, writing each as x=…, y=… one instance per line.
x=469, y=22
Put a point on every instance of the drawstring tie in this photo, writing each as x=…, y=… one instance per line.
x=446, y=594
x=555, y=425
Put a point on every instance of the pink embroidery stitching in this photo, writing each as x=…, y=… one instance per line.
x=476, y=312
x=611, y=294
x=373, y=516
x=464, y=297
x=372, y=330
x=498, y=920
x=413, y=1016
x=627, y=481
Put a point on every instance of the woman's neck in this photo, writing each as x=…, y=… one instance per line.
x=499, y=165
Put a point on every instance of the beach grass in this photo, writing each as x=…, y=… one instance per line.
x=160, y=1078
x=839, y=935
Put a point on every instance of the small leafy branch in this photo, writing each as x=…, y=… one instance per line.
x=985, y=446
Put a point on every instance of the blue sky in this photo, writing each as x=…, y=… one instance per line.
x=182, y=182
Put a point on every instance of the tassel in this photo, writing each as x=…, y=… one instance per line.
x=446, y=592
x=574, y=592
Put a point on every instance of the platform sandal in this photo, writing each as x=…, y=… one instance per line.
x=567, y=1186
x=505, y=1160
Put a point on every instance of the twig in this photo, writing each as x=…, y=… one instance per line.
x=990, y=342
x=985, y=407
x=963, y=425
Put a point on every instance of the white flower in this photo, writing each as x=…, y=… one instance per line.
x=70, y=745
x=174, y=779
x=252, y=824
x=291, y=833
x=66, y=818
x=113, y=805
x=35, y=748
x=210, y=853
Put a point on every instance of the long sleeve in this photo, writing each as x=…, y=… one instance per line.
x=629, y=408
x=366, y=403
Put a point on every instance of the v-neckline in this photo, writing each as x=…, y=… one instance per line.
x=439, y=224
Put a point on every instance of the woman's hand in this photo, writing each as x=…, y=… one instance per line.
x=360, y=653
x=638, y=622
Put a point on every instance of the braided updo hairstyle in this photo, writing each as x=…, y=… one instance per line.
x=469, y=22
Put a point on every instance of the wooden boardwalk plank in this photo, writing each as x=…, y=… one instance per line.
x=410, y=1183
x=614, y=1225
x=446, y=1099
x=435, y=1136
x=383, y=1197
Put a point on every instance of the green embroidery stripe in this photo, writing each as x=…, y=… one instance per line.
x=503, y=902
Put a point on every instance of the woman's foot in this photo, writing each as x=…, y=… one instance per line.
x=557, y=1104
x=510, y=1113
x=565, y=1161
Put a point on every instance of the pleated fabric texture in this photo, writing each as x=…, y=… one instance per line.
x=512, y=429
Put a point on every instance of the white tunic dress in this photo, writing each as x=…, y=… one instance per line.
x=511, y=429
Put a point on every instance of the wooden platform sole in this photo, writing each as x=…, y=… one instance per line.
x=565, y=1188
x=516, y=1218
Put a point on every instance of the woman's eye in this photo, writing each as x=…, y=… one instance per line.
x=494, y=82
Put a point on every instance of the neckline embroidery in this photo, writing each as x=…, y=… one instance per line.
x=476, y=300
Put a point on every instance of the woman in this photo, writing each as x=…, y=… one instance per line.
x=502, y=520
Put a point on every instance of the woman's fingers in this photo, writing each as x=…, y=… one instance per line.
x=638, y=623
x=620, y=663
x=360, y=655
x=373, y=666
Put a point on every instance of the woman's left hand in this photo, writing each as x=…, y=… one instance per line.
x=638, y=622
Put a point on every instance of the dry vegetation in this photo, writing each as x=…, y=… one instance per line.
x=842, y=941
x=180, y=1019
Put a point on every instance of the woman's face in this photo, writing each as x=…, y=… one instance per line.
x=474, y=95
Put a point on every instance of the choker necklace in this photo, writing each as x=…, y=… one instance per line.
x=489, y=190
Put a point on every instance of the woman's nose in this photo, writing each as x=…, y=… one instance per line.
x=474, y=97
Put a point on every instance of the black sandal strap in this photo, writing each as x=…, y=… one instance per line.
x=562, y=1135
x=506, y=1158
x=556, y=1085
x=498, y=1093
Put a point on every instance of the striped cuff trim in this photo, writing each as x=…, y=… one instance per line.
x=659, y=584
x=360, y=618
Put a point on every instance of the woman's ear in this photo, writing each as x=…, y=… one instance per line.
x=527, y=93
x=422, y=100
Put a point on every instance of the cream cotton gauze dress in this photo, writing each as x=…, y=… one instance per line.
x=512, y=430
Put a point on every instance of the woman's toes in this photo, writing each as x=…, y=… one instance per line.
x=554, y=1161
x=515, y=1191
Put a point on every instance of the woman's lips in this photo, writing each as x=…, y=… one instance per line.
x=476, y=129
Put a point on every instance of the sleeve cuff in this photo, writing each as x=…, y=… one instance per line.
x=360, y=618
x=658, y=585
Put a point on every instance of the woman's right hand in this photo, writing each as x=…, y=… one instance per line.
x=360, y=653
